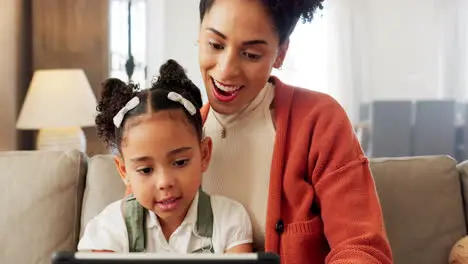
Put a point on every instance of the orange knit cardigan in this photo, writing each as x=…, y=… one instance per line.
x=322, y=202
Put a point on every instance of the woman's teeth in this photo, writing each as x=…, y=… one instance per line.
x=226, y=88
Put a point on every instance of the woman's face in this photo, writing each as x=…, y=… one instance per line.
x=238, y=46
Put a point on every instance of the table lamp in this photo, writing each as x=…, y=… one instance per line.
x=59, y=102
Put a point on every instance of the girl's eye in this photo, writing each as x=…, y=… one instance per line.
x=145, y=171
x=181, y=163
x=215, y=45
x=251, y=56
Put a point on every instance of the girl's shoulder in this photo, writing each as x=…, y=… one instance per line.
x=110, y=217
x=232, y=223
x=105, y=231
x=230, y=214
x=111, y=210
x=222, y=204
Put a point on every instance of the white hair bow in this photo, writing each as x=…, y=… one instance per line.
x=118, y=118
x=173, y=96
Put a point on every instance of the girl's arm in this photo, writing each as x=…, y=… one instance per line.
x=244, y=248
x=106, y=232
x=233, y=225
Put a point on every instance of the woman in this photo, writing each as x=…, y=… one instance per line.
x=288, y=154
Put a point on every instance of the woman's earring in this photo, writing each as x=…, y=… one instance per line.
x=126, y=181
x=279, y=64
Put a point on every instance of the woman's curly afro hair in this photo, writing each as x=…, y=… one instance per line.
x=285, y=13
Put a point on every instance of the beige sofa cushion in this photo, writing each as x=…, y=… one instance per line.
x=422, y=206
x=463, y=169
x=40, y=201
x=103, y=186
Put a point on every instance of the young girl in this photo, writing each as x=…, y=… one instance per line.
x=162, y=154
x=459, y=252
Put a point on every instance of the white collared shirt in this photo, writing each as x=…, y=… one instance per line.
x=231, y=227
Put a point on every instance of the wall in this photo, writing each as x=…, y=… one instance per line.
x=48, y=34
x=73, y=34
x=13, y=69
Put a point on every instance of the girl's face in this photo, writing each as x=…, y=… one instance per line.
x=238, y=46
x=163, y=162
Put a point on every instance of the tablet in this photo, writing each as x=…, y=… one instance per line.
x=163, y=258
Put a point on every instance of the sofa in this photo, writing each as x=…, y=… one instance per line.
x=48, y=197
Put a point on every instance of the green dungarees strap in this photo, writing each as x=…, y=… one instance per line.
x=135, y=220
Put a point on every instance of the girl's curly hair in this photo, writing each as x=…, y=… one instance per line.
x=115, y=95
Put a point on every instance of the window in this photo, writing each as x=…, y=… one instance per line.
x=119, y=39
x=306, y=62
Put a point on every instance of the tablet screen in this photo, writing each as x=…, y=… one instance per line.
x=162, y=258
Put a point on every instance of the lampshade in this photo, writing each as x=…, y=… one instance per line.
x=58, y=98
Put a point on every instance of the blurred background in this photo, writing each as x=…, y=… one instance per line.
x=399, y=68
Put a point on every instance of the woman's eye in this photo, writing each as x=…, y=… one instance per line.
x=251, y=56
x=181, y=163
x=215, y=45
x=145, y=171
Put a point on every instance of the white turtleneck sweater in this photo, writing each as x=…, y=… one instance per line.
x=240, y=165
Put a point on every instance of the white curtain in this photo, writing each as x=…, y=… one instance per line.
x=346, y=71
x=306, y=62
x=326, y=55
x=394, y=50
x=355, y=50
x=453, y=48
x=364, y=50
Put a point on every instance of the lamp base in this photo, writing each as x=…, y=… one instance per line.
x=61, y=139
